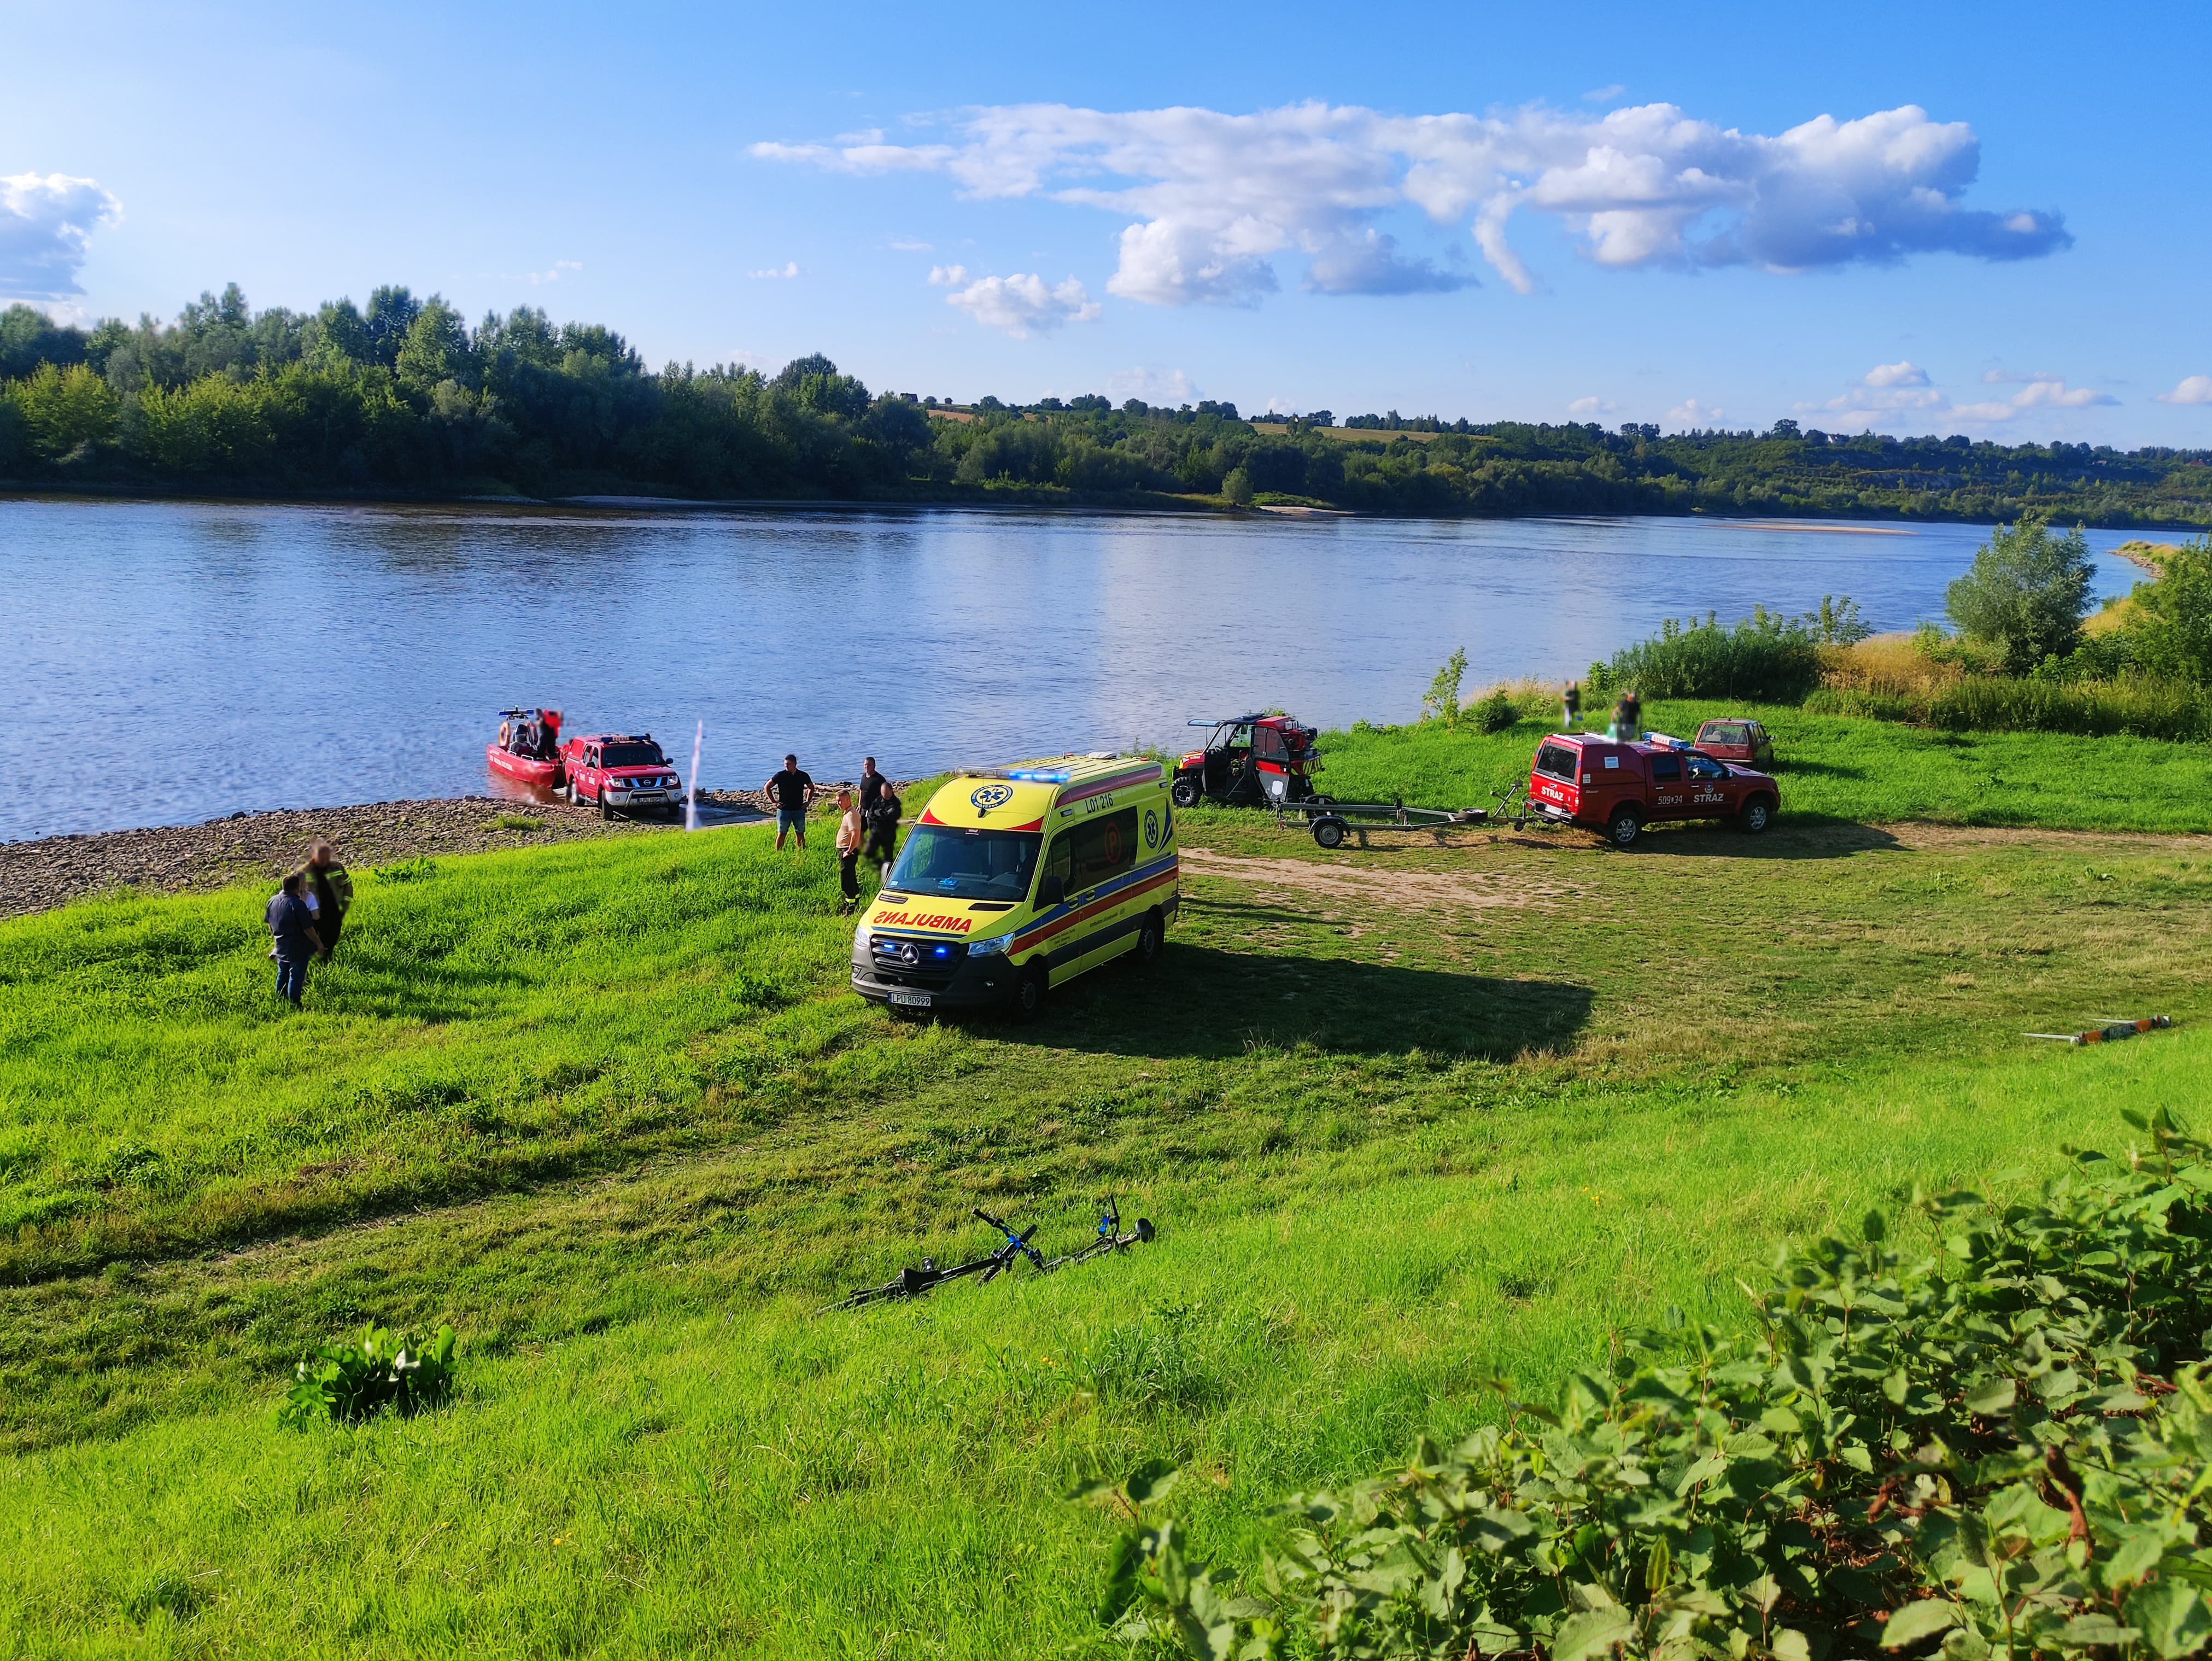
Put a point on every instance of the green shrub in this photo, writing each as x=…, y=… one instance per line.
x=352, y=1382
x=1496, y=712
x=1766, y=657
x=1441, y=702
x=2025, y=591
x=2172, y=633
x=2011, y=1452
x=412, y=870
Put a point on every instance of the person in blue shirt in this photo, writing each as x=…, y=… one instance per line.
x=294, y=929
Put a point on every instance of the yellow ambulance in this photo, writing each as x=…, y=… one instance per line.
x=1016, y=879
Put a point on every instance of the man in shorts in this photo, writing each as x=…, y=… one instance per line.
x=793, y=793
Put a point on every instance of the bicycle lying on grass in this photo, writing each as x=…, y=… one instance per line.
x=912, y=1282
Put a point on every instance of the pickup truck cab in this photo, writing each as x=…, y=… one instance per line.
x=1580, y=778
x=1737, y=739
x=621, y=772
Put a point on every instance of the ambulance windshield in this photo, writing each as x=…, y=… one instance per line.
x=954, y=864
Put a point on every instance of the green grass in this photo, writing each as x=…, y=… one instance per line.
x=1833, y=767
x=1408, y=1117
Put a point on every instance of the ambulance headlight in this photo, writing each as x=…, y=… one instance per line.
x=859, y=933
x=994, y=947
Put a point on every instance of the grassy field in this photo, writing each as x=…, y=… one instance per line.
x=1408, y=1117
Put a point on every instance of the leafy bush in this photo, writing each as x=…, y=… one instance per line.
x=2025, y=593
x=1495, y=713
x=2172, y=633
x=412, y=870
x=1441, y=702
x=352, y=1382
x=1766, y=657
x=2011, y=1452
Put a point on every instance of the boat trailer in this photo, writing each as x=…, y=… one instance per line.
x=1331, y=821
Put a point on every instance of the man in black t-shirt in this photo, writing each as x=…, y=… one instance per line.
x=793, y=793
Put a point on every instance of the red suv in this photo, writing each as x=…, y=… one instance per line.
x=1580, y=778
x=622, y=773
x=1738, y=740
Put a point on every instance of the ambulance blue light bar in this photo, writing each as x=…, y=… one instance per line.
x=1040, y=775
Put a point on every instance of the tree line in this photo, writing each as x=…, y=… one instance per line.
x=403, y=396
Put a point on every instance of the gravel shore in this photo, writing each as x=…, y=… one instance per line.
x=35, y=876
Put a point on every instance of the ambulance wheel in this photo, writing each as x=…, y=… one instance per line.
x=1029, y=994
x=1183, y=793
x=1151, y=934
x=1329, y=833
x=1758, y=813
x=1623, y=829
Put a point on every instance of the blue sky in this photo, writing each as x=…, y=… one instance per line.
x=1470, y=210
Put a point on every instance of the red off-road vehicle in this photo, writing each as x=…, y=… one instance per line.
x=623, y=773
x=1250, y=761
x=1737, y=739
x=1581, y=778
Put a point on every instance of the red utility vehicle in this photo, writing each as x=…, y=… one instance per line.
x=1250, y=761
x=1581, y=778
x=528, y=749
x=622, y=773
x=1737, y=739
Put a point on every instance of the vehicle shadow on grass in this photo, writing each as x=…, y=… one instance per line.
x=1201, y=1001
x=1807, y=838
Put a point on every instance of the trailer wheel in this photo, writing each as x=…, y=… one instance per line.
x=1328, y=832
x=1183, y=793
x=1623, y=829
x=1758, y=813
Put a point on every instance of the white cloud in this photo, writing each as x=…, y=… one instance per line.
x=1590, y=406
x=1893, y=390
x=788, y=269
x=1604, y=95
x=1170, y=386
x=1018, y=304
x=908, y=245
x=2049, y=393
x=1691, y=413
x=1902, y=374
x=1215, y=198
x=44, y=222
x=2195, y=389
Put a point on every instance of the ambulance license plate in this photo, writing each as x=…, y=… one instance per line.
x=911, y=1000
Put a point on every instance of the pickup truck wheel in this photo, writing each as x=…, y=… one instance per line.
x=1329, y=832
x=1183, y=793
x=1623, y=829
x=1029, y=994
x=1758, y=813
x=606, y=812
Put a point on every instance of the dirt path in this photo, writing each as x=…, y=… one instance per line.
x=1473, y=891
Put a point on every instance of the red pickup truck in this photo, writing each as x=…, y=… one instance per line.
x=1581, y=778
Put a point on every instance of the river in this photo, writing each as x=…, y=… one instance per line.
x=167, y=662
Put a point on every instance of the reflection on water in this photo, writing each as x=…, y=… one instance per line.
x=177, y=661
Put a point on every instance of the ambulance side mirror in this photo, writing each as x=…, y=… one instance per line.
x=1051, y=891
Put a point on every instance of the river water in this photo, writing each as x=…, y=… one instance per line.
x=169, y=662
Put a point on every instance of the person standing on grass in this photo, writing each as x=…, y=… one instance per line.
x=792, y=792
x=329, y=893
x=849, y=850
x=882, y=821
x=294, y=930
x=1572, y=707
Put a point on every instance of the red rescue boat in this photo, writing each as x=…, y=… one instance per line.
x=528, y=748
